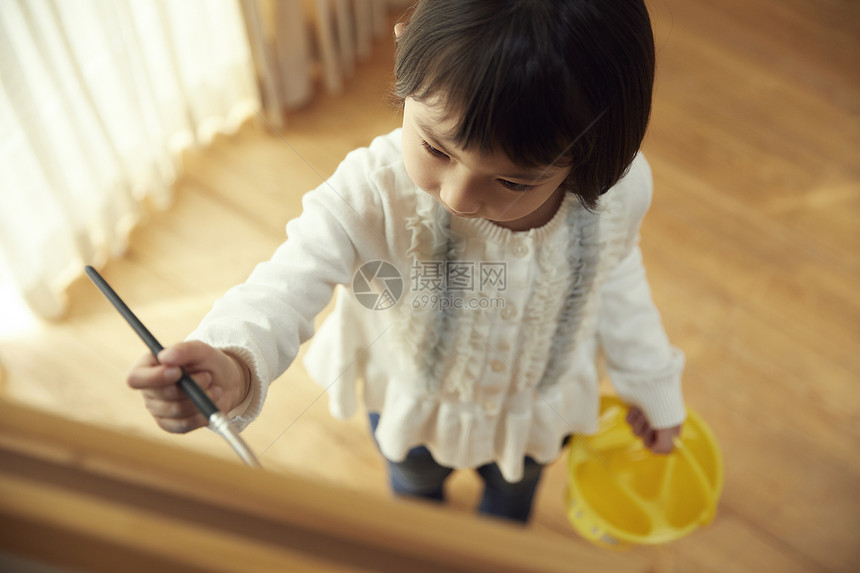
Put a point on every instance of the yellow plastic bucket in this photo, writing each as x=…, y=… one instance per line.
x=620, y=494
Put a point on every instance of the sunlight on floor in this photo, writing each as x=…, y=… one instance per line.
x=15, y=317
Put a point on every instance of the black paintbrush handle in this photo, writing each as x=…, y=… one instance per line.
x=195, y=394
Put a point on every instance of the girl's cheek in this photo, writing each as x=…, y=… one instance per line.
x=419, y=173
x=425, y=181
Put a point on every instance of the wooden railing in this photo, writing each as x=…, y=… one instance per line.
x=92, y=499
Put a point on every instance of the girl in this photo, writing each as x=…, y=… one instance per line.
x=491, y=246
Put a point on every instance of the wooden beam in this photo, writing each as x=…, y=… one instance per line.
x=81, y=496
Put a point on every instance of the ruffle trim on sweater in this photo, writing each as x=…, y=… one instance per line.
x=460, y=437
x=422, y=331
x=446, y=345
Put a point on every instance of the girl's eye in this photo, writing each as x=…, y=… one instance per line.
x=515, y=186
x=432, y=150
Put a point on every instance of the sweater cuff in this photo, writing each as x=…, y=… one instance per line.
x=657, y=394
x=247, y=410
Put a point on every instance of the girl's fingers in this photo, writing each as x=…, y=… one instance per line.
x=649, y=438
x=145, y=360
x=157, y=379
x=177, y=409
x=172, y=392
x=664, y=441
x=638, y=422
x=162, y=380
x=658, y=441
x=203, y=379
x=152, y=375
x=661, y=446
x=173, y=402
x=181, y=425
x=192, y=355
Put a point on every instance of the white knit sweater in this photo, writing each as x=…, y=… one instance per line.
x=510, y=372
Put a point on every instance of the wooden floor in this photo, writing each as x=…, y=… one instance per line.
x=751, y=247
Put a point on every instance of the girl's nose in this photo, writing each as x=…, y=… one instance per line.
x=460, y=197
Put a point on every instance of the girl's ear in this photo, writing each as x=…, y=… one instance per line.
x=398, y=29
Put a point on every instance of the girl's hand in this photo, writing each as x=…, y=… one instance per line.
x=223, y=377
x=658, y=441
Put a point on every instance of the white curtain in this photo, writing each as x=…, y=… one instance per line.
x=346, y=30
x=296, y=41
x=97, y=100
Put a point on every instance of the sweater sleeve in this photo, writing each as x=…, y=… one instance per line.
x=644, y=367
x=265, y=319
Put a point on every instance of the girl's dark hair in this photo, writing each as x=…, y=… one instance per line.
x=565, y=82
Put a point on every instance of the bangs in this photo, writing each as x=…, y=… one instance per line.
x=503, y=80
x=545, y=82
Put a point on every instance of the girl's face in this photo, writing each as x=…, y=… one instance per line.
x=473, y=184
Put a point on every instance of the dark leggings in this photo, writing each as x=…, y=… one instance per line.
x=419, y=475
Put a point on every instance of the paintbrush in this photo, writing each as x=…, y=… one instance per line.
x=218, y=422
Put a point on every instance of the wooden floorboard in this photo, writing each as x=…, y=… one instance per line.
x=751, y=248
